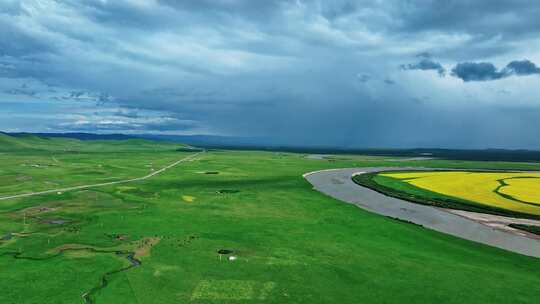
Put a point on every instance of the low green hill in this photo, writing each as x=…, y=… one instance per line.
x=29, y=142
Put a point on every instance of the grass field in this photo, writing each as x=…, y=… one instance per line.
x=292, y=244
x=517, y=192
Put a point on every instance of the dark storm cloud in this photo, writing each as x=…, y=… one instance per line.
x=425, y=64
x=471, y=71
x=522, y=68
x=485, y=71
x=293, y=71
x=245, y=7
x=489, y=27
x=510, y=18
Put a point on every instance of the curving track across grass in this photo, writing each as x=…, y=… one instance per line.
x=89, y=186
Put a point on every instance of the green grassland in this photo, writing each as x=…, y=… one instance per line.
x=293, y=244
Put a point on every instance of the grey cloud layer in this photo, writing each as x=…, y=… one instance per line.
x=304, y=72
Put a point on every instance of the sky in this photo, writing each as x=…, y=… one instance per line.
x=349, y=74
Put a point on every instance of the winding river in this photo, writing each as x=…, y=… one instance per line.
x=338, y=184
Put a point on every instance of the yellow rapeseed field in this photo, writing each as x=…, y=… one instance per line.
x=523, y=189
x=480, y=187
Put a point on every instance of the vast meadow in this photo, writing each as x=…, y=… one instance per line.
x=225, y=227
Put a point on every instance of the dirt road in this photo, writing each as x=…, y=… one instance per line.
x=62, y=190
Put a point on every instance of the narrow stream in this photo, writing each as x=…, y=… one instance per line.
x=104, y=280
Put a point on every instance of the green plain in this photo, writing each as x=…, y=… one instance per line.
x=292, y=243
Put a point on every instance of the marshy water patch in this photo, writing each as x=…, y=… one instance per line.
x=6, y=237
x=30, y=211
x=55, y=221
x=118, y=236
x=227, y=191
x=225, y=251
x=209, y=172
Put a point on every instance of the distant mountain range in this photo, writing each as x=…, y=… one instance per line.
x=244, y=143
x=187, y=139
x=80, y=136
